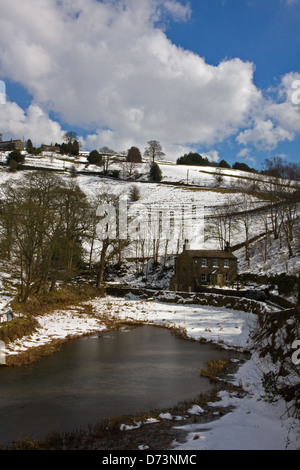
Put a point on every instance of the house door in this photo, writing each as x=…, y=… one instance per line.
x=220, y=279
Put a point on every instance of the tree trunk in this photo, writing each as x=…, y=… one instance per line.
x=102, y=263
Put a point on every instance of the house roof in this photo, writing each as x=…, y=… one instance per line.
x=209, y=254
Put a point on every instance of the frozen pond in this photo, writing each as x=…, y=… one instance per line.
x=114, y=373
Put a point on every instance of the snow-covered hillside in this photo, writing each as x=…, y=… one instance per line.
x=194, y=195
x=254, y=423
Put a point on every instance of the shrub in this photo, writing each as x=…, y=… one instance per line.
x=16, y=156
x=95, y=158
x=269, y=383
x=134, y=193
x=134, y=155
x=286, y=283
x=155, y=173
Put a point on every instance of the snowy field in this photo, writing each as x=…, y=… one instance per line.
x=190, y=203
x=254, y=424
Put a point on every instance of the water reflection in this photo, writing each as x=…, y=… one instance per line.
x=115, y=373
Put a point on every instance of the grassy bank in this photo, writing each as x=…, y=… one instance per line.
x=25, y=323
x=72, y=294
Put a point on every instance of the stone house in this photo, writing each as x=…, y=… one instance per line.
x=50, y=148
x=196, y=268
x=10, y=145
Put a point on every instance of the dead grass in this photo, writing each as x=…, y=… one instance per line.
x=58, y=299
x=26, y=323
x=213, y=370
x=17, y=328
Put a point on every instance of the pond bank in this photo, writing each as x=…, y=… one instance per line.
x=153, y=430
x=252, y=423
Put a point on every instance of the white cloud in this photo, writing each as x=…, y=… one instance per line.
x=264, y=135
x=35, y=124
x=110, y=68
x=177, y=10
x=106, y=65
x=274, y=120
x=212, y=156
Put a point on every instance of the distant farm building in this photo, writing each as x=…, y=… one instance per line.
x=50, y=148
x=10, y=145
x=198, y=268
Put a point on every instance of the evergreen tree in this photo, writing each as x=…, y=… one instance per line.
x=75, y=148
x=155, y=173
x=95, y=158
x=193, y=159
x=243, y=167
x=224, y=164
x=134, y=193
x=134, y=155
x=15, y=156
x=29, y=146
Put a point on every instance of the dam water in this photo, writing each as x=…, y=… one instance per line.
x=112, y=373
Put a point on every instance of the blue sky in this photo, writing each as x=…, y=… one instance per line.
x=213, y=76
x=265, y=32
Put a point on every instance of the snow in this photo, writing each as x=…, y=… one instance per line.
x=252, y=425
x=195, y=410
x=59, y=325
x=253, y=422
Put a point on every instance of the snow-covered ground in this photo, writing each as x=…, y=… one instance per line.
x=187, y=205
x=253, y=423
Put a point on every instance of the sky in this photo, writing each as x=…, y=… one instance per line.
x=217, y=77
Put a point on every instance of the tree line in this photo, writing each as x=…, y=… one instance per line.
x=153, y=151
x=45, y=222
x=102, y=157
x=275, y=166
x=194, y=158
x=277, y=216
x=50, y=231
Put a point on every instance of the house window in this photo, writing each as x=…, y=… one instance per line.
x=204, y=262
x=226, y=277
x=215, y=263
x=203, y=277
x=226, y=263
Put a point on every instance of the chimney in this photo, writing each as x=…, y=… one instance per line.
x=227, y=247
x=186, y=245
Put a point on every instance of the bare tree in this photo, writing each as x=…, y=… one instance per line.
x=288, y=215
x=106, y=154
x=245, y=218
x=224, y=222
x=154, y=150
x=43, y=235
x=218, y=177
